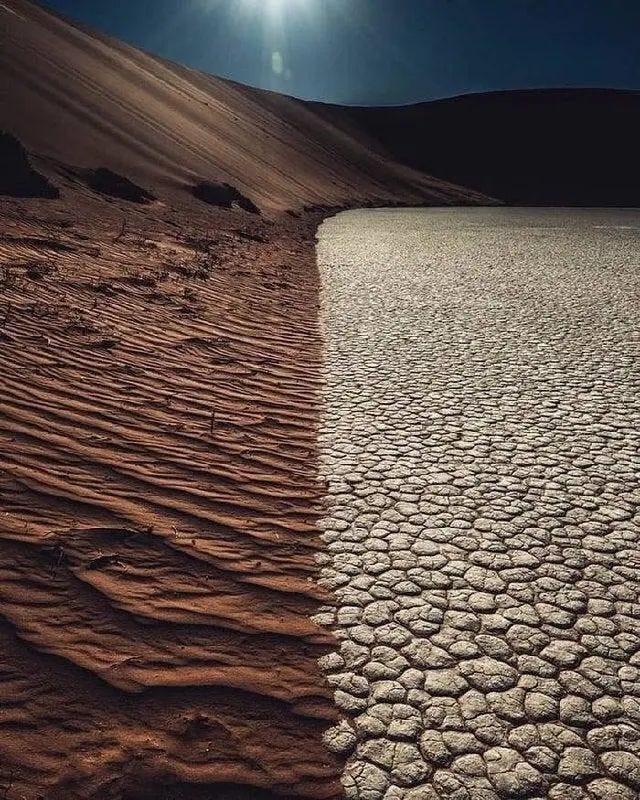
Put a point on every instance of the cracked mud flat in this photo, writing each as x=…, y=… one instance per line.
x=480, y=444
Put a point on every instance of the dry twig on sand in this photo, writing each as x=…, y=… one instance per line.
x=123, y=229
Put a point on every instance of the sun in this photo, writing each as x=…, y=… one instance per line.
x=275, y=19
x=267, y=9
x=273, y=7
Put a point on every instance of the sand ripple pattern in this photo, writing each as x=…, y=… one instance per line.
x=481, y=442
x=159, y=504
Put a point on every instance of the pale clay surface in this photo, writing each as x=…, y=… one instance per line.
x=480, y=443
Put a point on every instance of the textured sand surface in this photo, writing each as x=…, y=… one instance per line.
x=481, y=443
x=158, y=497
x=83, y=99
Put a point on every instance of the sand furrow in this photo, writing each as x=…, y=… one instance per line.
x=160, y=498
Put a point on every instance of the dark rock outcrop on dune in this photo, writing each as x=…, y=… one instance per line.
x=575, y=147
x=17, y=177
x=105, y=181
x=224, y=196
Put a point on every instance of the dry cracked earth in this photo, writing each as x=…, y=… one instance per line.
x=480, y=446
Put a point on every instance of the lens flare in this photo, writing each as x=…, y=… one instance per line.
x=277, y=62
x=277, y=21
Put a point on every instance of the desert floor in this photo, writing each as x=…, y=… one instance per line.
x=263, y=514
x=159, y=488
x=480, y=443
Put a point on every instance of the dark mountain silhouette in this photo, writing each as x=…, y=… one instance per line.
x=576, y=147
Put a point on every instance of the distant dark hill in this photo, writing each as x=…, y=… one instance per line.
x=543, y=147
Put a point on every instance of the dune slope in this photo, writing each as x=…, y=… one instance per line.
x=84, y=99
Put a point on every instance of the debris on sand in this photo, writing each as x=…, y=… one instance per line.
x=105, y=181
x=223, y=195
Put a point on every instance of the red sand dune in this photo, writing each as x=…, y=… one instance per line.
x=88, y=100
x=158, y=475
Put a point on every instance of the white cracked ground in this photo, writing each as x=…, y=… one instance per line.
x=480, y=443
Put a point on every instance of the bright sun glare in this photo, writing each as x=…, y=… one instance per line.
x=273, y=6
x=274, y=14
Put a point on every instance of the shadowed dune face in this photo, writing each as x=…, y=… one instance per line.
x=159, y=498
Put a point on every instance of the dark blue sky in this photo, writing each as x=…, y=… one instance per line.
x=384, y=51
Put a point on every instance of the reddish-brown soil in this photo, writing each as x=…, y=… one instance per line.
x=159, y=498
